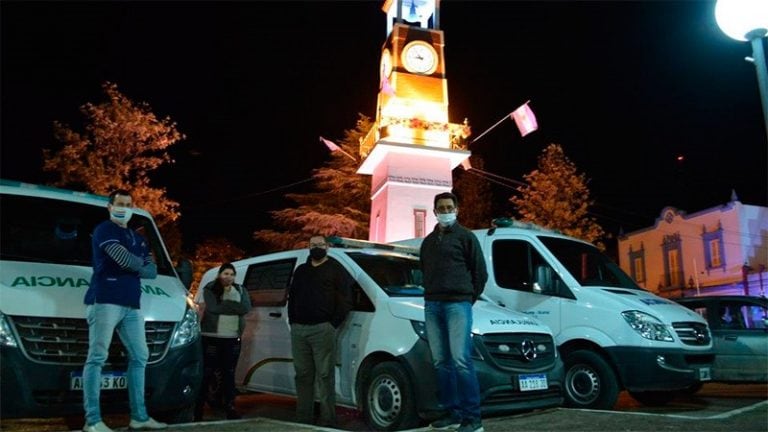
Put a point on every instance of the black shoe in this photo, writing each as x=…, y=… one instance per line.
x=232, y=414
x=445, y=423
x=471, y=425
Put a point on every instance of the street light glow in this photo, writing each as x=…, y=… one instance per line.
x=738, y=18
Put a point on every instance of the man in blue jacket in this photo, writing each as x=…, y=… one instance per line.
x=120, y=259
x=454, y=277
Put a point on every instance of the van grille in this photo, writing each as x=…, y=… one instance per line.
x=65, y=340
x=692, y=333
x=513, y=350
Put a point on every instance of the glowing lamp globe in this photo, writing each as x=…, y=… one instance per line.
x=742, y=19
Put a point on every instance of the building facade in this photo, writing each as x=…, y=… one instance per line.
x=718, y=251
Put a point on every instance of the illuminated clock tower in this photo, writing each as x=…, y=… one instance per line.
x=411, y=149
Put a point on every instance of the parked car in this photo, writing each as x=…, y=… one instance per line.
x=739, y=326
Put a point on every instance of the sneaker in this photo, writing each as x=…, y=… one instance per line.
x=149, y=424
x=471, y=425
x=445, y=423
x=98, y=427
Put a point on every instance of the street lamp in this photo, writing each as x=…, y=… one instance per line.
x=747, y=20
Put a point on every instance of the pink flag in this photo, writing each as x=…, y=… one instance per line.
x=330, y=144
x=525, y=119
x=386, y=88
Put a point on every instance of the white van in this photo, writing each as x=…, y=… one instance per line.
x=45, y=269
x=612, y=334
x=383, y=362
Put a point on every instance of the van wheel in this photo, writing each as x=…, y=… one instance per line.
x=589, y=381
x=692, y=389
x=653, y=398
x=389, y=403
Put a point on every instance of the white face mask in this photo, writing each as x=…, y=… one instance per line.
x=121, y=214
x=446, y=219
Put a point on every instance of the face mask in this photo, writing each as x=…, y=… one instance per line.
x=446, y=219
x=317, y=253
x=121, y=214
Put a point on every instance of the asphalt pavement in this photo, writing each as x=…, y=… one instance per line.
x=717, y=408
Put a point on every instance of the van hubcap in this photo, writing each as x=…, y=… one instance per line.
x=583, y=385
x=386, y=401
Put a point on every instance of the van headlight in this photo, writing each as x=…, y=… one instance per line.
x=648, y=326
x=187, y=331
x=6, y=334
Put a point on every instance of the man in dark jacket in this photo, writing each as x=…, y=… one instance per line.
x=319, y=300
x=454, y=276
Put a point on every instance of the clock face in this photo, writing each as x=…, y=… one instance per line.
x=419, y=57
x=386, y=64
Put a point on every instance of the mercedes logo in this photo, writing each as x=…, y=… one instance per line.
x=528, y=349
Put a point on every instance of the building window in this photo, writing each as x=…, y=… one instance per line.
x=637, y=264
x=673, y=261
x=713, y=248
x=419, y=223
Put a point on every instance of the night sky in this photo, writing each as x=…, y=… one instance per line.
x=624, y=87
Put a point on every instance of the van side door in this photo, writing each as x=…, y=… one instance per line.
x=265, y=360
x=520, y=278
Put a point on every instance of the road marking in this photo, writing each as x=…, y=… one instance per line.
x=723, y=415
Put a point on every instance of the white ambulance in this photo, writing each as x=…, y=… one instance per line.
x=383, y=361
x=45, y=269
x=612, y=334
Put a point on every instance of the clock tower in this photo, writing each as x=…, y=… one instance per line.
x=412, y=148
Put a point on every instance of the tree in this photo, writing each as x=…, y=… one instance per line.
x=557, y=197
x=210, y=253
x=339, y=206
x=474, y=194
x=123, y=142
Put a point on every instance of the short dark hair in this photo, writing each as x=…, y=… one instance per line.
x=117, y=192
x=446, y=195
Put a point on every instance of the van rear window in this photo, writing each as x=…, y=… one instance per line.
x=34, y=229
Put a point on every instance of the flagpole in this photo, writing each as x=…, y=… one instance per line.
x=496, y=124
x=347, y=154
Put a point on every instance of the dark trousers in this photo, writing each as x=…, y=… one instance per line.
x=219, y=354
x=314, y=354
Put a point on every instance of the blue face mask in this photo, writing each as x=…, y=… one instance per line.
x=121, y=214
x=446, y=219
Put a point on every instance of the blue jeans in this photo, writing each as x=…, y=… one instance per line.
x=103, y=319
x=449, y=327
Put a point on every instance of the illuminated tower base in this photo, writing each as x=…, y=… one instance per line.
x=405, y=180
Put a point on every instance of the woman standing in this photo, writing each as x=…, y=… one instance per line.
x=225, y=305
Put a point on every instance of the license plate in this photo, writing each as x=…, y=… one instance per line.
x=109, y=381
x=705, y=374
x=532, y=382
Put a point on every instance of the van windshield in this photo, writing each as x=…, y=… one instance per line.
x=587, y=264
x=34, y=229
x=397, y=275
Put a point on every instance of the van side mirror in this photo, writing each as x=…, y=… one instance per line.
x=184, y=269
x=544, y=282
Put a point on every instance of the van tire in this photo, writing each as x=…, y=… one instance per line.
x=590, y=382
x=388, y=401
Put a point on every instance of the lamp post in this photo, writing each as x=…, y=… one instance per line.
x=747, y=20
